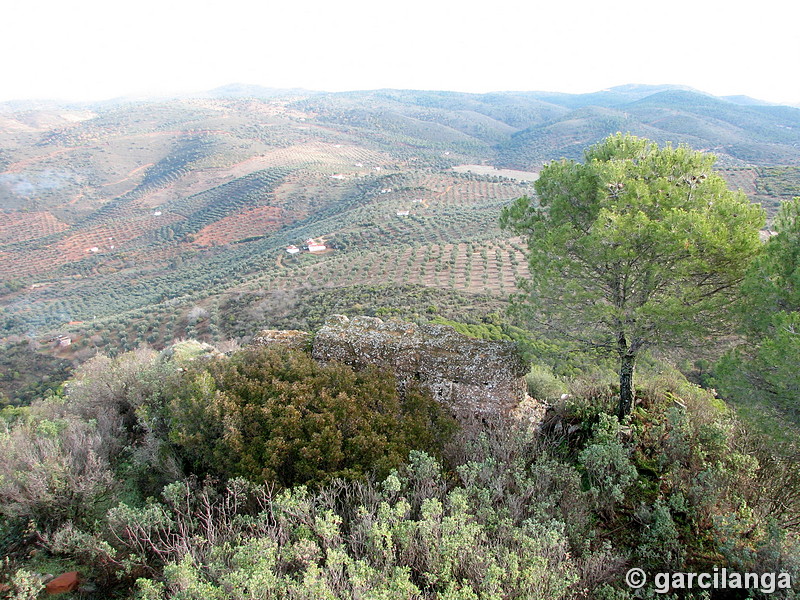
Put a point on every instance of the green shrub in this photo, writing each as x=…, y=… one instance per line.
x=659, y=543
x=277, y=415
x=26, y=585
x=54, y=470
x=349, y=541
x=606, y=462
x=590, y=394
x=543, y=385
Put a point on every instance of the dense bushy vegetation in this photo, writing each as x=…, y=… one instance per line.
x=764, y=370
x=175, y=475
x=265, y=415
x=283, y=418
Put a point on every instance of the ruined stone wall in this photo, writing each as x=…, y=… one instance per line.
x=474, y=377
x=289, y=338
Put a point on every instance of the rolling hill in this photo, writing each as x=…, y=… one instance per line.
x=129, y=221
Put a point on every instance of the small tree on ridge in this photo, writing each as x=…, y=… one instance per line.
x=637, y=246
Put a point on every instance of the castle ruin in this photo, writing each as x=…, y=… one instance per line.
x=473, y=377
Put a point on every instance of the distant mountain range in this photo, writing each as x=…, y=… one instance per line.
x=524, y=129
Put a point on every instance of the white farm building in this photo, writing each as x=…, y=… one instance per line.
x=314, y=246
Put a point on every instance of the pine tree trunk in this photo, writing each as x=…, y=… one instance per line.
x=627, y=363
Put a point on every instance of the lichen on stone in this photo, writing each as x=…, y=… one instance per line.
x=471, y=376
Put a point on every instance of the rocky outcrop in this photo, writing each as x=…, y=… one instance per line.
x=473, y=377
x=289, y=338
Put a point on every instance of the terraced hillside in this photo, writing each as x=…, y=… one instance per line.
x=143, y=222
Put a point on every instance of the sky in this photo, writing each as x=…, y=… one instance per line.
x=96, y=50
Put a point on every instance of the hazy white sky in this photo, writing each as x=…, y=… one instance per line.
x=92, y=49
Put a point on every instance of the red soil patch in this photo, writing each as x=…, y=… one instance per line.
x=252, y=222
x=20, y=226
x=106, y=238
